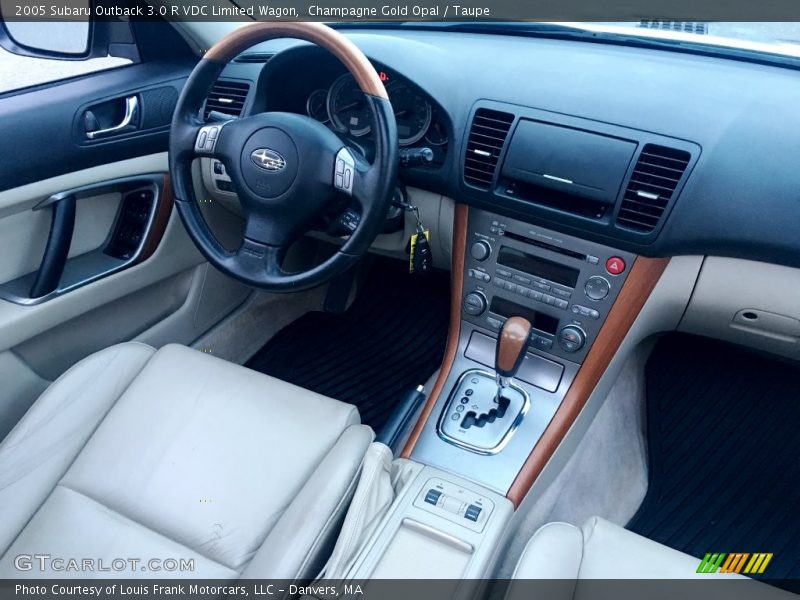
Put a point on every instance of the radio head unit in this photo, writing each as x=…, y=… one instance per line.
x=564, y=286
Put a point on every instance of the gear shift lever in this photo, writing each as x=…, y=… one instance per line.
x=510, y=351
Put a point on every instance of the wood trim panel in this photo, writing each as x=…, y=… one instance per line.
x=451, y=348
x=643, y=277
x=334, y=42
x=163, y=213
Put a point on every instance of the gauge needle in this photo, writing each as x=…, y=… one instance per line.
x=355, y=104
x=401, y=113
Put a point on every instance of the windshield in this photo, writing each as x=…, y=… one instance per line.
x=777, y=38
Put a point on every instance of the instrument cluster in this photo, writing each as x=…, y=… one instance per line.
x=343, y=107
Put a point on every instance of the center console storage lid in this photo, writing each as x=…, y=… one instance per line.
x=568, y=160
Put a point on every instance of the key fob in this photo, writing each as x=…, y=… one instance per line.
x=420, y=259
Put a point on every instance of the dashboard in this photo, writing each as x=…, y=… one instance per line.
x=728, y=128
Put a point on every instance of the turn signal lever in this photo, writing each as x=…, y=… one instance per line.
x=510, y=351
x=414, y=157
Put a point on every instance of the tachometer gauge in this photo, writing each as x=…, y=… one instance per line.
x=348, y=108
x=317, y=106
x=411, y=111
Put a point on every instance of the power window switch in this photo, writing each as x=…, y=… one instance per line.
x=472, y=513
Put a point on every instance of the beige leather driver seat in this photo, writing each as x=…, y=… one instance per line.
x=175, y=454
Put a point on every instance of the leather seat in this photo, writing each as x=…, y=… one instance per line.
x=599, y=550
x=602, y=550
x=175, y=454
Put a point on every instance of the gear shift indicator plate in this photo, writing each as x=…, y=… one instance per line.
x=475, y=419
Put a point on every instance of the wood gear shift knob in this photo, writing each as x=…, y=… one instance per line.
x=511, y=346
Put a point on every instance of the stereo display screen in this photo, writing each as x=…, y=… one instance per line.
x=538, y=267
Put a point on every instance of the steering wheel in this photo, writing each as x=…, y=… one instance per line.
x=288, y=170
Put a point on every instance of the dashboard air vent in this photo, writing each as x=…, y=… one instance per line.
x=652, y=184
x=227, y=97
x=486, y=138
x=253, y=57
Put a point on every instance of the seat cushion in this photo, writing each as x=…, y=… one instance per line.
x=600, y=550
x=177, y=454
x=573, y=558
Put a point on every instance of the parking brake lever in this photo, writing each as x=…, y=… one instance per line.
x=510, y=352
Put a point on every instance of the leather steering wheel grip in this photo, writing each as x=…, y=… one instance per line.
x=342, y=48
x=259, y=264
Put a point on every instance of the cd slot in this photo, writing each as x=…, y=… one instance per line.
x=540, y=244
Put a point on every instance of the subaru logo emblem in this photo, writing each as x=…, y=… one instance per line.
x=267, y=159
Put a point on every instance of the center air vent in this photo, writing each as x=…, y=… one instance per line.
x=486, y=138
x=651, y=187
x=227, y=97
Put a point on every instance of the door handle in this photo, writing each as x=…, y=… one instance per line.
x=131, y=106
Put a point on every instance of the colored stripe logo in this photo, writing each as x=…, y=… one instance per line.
x=736, y=562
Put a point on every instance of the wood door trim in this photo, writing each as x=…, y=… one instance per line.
x=163, y=209
x=643, y=277
x=456, y=290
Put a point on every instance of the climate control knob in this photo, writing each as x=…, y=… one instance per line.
x=571, y=338
x=474, y=303
x=480, y=251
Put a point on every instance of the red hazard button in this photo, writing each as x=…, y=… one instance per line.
x=615, y=265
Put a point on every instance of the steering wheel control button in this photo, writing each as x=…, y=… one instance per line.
x=615, y=265
x=571, y=338
x=474, y=303
x=343, y=175
x=480, y=251
x=207, y=139
x=597, y=288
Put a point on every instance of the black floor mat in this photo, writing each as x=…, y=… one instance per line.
x=724, y=453
x=390, y=340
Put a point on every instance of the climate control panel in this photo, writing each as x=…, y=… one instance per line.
x=565, y=286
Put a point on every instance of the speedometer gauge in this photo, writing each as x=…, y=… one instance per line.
x=348, y=108
x=411, y=110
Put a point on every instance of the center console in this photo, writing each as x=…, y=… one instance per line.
x=439, y=526
x=565, y=288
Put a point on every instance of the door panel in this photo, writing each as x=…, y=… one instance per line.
x=26, y=233
x=160, y=289
x=48, y=127
x=174, y=254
